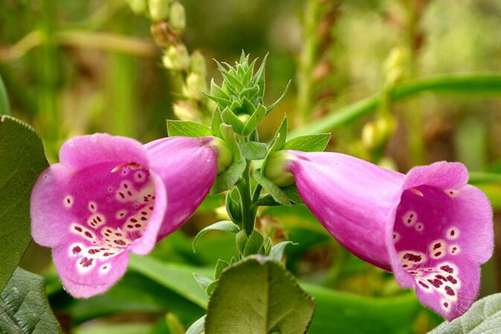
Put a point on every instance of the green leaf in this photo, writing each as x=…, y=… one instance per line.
x=4, y=100
x=253, y=121
x=203, y=281
x=223, y=226
x=280, y=137
x=187, y=128
x=445, y=84
x=253, y=150
x=278, y=194
x=233, y=200
x=342, y=312
x=22, y=161
x=257, y=296
x=483, y=317
x=197, y=327
x=230, y=118
x=173, y=276
x=309, y=143
x=253, y=244
x=24, y=307
x=277, y=251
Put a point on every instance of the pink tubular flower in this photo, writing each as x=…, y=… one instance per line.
x=429, y=227
x=108, y=196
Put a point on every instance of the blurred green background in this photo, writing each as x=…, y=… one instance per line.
x=74, y=67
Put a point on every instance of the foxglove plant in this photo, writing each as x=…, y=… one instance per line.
x=430, y=228
x=109, y=196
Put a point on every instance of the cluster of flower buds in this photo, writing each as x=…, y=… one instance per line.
x=168, y=23
x=109, y=196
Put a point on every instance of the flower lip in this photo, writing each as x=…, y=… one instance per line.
x=439, y=235
x=100, y=202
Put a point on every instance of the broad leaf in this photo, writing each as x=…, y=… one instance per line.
x=257, y=296
x=22, y=160
x=4, y=100
x=483, y=317
x=309, y=143
x=224, y=226
x=24, y=307
x=187, y=129
x=176, y=277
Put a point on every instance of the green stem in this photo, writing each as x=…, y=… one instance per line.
x=4, y=100
x=307, y=60
x=457, y=84
x=49, y=71
x=245, y=195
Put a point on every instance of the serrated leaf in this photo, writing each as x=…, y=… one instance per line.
x=203, y=280
x=254, y=120
x=253, y=150
x=278, y=194
x=4, y=100
x=24, y=307
x=257, y=296
x=253, y=244
x=484, y=316
x=280, y=137
x=197, y=327
x=277, y=251
x=22, y=161
x=230, y=118
x=215, y=125
x=187, y=129
x=309, y=143
x=222, y=226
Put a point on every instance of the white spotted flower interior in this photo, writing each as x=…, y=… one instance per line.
x=107, y=197
x=429, y=227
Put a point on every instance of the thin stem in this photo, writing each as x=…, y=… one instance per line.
x=458, y=84
x=307, y=60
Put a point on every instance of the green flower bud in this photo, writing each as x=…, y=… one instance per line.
x=186, y=111
x=176, y=58
x=194, y=87
x=375, y=134
x=177, y=17
x=276, y=169
x=198, y=64
x=159, y=9
x=225, y=155
x=137, y=6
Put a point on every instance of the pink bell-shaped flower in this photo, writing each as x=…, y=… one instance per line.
x=428, y=226
x=109, y=196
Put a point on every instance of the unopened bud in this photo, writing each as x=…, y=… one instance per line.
x=159, y=9
x=176, y=58
x=186, y=111
x=224, y=154
x=375, y=134
x=276, y=169
x=177, y=17
x=198, y=64
x=137, y=6
x=395, y=65
x=194, y=87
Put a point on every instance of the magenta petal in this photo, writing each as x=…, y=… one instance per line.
x=429, y=227
x=48, y=219
x=82, y=151
x=188, y=168
x=94, y=208
x=351, y=197
x=85, y=274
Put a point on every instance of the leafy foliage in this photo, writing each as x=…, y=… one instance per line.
x=24, y=307
x=483, y=317
x=22, y=161
x=258, y=296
